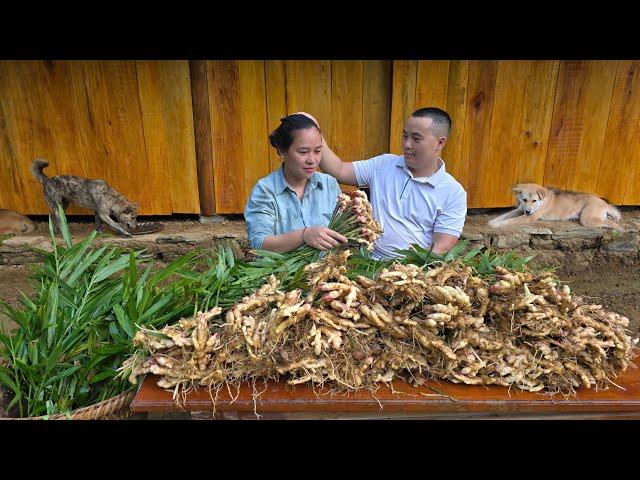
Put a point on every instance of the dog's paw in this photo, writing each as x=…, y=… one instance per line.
x=494, y=224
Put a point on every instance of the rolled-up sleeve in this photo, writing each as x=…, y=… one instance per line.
x=260, y=215
x=365, y=169
x=451, y=219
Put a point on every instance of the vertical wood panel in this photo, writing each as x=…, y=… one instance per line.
x=579, y=123
x=456, y=108
x=346, y=111
x=36, y=129
x=276, y=103
x=253, y=113
x=53, y=89
x=178, y=117
x=432, y=82
x=632, y=192
x=308, y=89
x=90, y=145
x=632, y=168
x=199, y=80
x=164, y=89
x=621, y=156
x=376, y=107
x=6, y=153
x=123, y=134
x=566, y=124
x=13, y=116
x=506, y=133
x=226, y=126
x=154, y=128
x=596, y=114
x=481, y=92
x=403, y=99
x=536, y=123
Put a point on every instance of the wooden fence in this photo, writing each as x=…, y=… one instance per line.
x=569, y=124
x=192, y=137
x=129, y=122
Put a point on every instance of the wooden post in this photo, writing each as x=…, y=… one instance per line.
x=202, y=127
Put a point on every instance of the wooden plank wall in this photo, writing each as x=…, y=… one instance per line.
x=128, y=122
x=350, y=99
x=568, y=124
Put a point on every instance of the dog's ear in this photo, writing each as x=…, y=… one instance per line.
x=542, y=192
x=517, y=189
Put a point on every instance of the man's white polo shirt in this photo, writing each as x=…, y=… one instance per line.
x=410, y=209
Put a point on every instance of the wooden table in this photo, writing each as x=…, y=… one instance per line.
x=436, y=400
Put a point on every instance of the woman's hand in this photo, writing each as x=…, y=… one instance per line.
x=322, y=238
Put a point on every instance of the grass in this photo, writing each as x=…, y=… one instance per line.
x=76, y=330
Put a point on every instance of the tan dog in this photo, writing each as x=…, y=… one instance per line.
x=14, y=223
x=535, y=202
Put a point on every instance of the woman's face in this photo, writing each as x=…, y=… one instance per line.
x=303, y=156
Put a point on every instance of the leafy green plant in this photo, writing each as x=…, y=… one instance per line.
x=77, y=329
x=482, y=259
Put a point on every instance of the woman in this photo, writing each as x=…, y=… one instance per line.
x=292, y=206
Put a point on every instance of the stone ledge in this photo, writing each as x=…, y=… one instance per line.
x=567, y=236
x=23, y=250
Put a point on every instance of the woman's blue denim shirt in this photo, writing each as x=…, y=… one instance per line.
x=274, y=208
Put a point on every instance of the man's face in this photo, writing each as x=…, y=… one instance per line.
x=419, y=144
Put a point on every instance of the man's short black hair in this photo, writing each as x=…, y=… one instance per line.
x=441, y=120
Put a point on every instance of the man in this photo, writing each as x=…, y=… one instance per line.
x=413, y=197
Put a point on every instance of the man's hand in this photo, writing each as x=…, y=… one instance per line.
x=310, y=116
x=330, y=163
x=323, y=238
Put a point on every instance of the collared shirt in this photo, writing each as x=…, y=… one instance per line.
x=410, y=209
x=274, y=208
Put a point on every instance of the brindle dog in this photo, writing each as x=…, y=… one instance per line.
x=88, y=193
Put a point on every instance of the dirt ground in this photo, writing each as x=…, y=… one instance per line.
x=613, y=282
x=13, y=280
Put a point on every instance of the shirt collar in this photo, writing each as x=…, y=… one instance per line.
x=281, y=182
x=433, y=180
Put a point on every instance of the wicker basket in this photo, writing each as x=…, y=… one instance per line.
x=114, y=408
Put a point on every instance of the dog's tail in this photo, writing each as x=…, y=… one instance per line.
x=36, y=168
x=614, y=212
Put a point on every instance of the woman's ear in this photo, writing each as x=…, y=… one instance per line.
x=542, y=192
